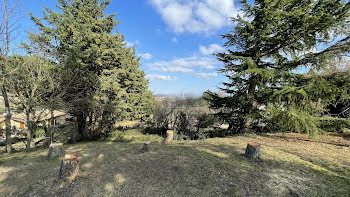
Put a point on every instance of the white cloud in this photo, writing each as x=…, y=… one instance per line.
x=206, y=75
x=132, y=44
x=174, y=39
x=210, y=50
x=185, y=65
x=160, y=77
x=146, y=56
x=195, y=16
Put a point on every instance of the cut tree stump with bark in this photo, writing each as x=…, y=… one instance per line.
x=169, y=136
x=56, y=150
x=145, y=147
x=70, y=166
x=253, y=150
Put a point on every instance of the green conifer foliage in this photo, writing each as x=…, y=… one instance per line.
x=98, y=68
x=266, y=52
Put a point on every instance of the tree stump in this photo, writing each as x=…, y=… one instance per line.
x=145, y=147
x=169, y=136
x=55, y=150
x=253, y=150
x=70, y=166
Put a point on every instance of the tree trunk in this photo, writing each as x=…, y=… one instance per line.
x=29, y=130
x=7, y=111
x=74, y=130
x=253, y=150
x=7, y=15
x=230, y=127
x=4, y=53
x=81, y=123
x=90, y=124
x=7, y=119
x=247, y=124
x=52, y=126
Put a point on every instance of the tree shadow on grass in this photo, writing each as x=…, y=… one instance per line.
x=187, y=169
x=302, y=138
x=202, y=170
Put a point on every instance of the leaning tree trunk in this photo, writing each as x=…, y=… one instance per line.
x=7, y=119
x=6, y=31
x=52, y=126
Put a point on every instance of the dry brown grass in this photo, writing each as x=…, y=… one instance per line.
x=291, y=165
x=127, y=123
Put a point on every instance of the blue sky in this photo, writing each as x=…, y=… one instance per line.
x=176, y=39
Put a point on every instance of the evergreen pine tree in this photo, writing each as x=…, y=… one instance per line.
x=80, y=37
x=267, y=49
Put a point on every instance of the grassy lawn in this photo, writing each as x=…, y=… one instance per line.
x=290, y=165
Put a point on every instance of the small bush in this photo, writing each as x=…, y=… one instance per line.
x=39, y=133
x=202, y=134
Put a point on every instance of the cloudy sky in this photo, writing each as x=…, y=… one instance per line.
x=175, y=38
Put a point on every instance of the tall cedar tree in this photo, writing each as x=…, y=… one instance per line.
x=266, y=51
x=80, y=38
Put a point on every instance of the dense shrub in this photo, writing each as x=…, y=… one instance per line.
x=39, y=133
x=188, y=116
x=162, y=116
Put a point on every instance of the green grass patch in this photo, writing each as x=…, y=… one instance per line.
x=289, y=166
x=133, y=136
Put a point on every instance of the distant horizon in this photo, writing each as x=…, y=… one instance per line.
x=178, y=95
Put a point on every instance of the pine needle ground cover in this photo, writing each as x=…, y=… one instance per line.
x=290, y=165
